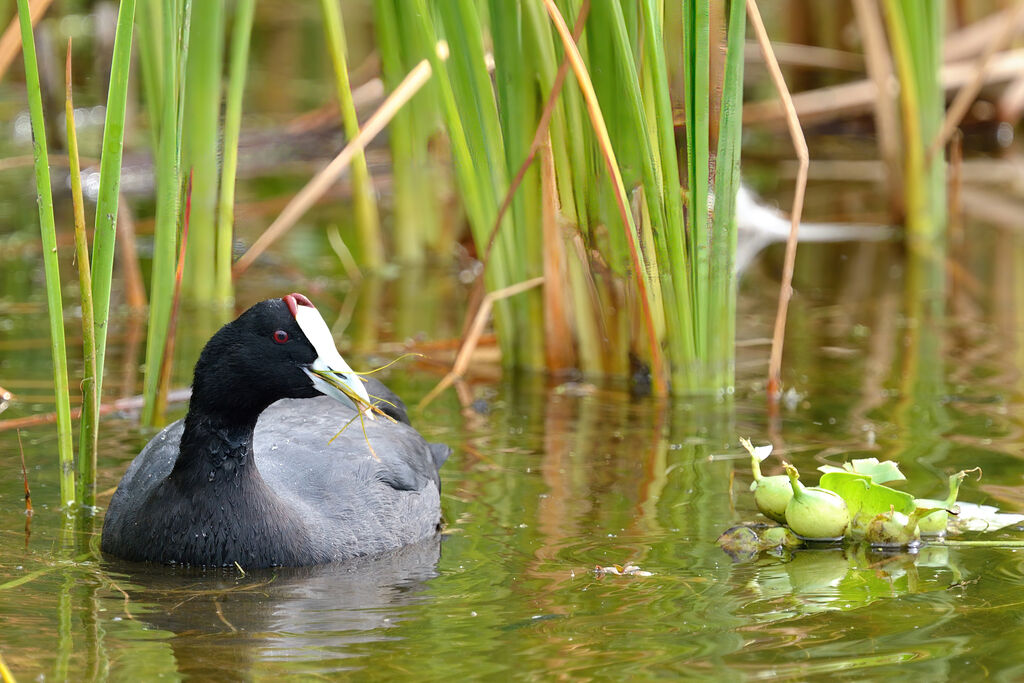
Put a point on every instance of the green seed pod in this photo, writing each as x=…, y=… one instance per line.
x=771, y=494
x=815, y=513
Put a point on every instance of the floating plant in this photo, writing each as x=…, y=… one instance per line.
x=771, y=494
x=815, y=513
x=852, y=502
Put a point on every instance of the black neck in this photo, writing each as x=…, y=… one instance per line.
x=217, y=447
x=224, y=496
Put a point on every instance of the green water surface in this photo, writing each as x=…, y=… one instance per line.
x=549, y=480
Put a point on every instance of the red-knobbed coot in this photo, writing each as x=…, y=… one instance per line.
x=249, y=476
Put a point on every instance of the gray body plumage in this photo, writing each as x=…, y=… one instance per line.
x=309, y=502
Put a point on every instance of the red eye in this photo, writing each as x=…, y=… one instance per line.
x=280, y=336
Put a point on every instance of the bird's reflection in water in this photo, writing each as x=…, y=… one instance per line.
x=223, y=625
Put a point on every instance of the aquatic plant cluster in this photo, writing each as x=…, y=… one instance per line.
x=852, y=503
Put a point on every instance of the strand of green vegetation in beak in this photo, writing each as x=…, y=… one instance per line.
x=51, y=268
x=361, y=405
x=362, y=423
x=388, y=365
x=336, y=380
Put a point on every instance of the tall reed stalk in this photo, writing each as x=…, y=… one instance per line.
x=648, y=259
x=200, y=132
x=95, y=274
x=722, y=281
x=240, y=35
x=464, y=86
x=916, y=34
x=89, y=427
x=55, y=308
x=110, y=182
x=171, y=44
x=415, y=177
x=363, y=195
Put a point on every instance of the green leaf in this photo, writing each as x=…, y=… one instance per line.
x=880, y=472
x=866, y=497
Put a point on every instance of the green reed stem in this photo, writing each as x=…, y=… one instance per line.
x=201, y=143
x=696, y=71
x=569, y=139
x=915, y=33
x=632, y=236
x=722, y=279
x=515, y=95
x=150, y=46
x=110, y=182
x=416, y=179
x=175, y=36
x=89, y=424
x=363, y=194
x=464, y=86
x=241, y=33
x=652, y=278
x=408, y=239
x=48, y=232
x=538, y=41
x=672, y=253
x=618, y=82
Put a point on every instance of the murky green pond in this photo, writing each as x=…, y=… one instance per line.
x=549, y=480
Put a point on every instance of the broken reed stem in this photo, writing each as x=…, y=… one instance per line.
x=837, y=102
x=558, y=348
x=472, y=336
x=319, y=184
x=965, y=96
x=43, y=571
x=800, y=146
x=658, y=380
x=88, y=434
